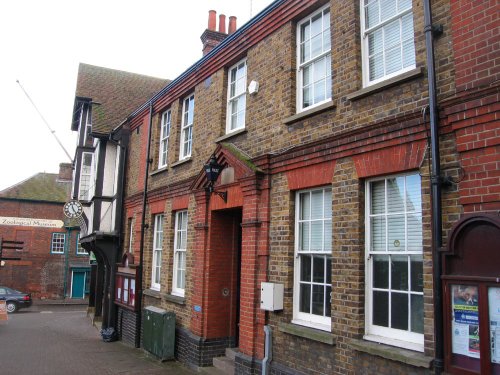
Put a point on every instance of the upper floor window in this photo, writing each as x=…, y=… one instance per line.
x=388, y=39
x=157, y=250
x=236, y=97
x=313, y=259
x=180, y=247
x=79, y=248
x=85, y=176
x=187, y=127
x=164, y=136
x=314, y=75
x=394, y=284
x=58, y=243
x=130, y=235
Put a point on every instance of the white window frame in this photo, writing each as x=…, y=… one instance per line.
x=187, y=127
x=84, y=191
x=303, y=318
x=180, y=252
x=380, y=26
x=58, y=243
x=391, y=336
x=326, y=54
x=79, y=248
x=157, y=252
x=166, y=120
x=88, y=124
x=235, y=96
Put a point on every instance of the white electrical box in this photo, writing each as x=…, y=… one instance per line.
x=271, y=296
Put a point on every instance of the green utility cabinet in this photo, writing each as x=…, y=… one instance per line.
x=159, y=332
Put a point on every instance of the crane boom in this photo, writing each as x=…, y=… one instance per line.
x=45, y=121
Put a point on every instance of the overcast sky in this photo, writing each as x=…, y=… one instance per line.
x=42, y=43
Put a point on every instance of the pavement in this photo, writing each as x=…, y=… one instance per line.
x=53, y=339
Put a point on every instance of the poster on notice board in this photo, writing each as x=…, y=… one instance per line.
x=494, y=310
x=465, y=320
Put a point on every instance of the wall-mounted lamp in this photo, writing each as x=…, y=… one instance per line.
x=212, y=171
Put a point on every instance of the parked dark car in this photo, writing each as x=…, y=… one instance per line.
x=15, y=299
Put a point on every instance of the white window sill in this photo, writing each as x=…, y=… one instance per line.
x=152, y=293
x=185, y=160
x=229, y=135
x=309, y=112
x=394, y=342
x=175, y=299
x=159, y=170
x=406, y=356
x=394, y=81
x=308, y=333
x=177, y=294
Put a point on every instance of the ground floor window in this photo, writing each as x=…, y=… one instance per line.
x=395, y=300
x=157, y=251
x=180, y=247
x=313, y=250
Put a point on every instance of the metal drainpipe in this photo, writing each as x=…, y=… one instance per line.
x=435, y=190
x=66, y=261
x=268, y=350
x=143, y=218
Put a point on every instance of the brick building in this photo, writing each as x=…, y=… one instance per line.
x=52, y=265
x=359, y=147
x=103, y=99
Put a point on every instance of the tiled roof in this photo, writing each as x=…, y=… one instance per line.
x=117, y=92
x=41, y=187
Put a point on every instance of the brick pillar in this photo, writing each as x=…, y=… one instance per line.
x=255, y=252
x=199, y=292
x=347, y=262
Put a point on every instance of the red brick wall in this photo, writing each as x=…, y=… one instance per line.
x=476, y=42
x=477, y=130
x=38, y=272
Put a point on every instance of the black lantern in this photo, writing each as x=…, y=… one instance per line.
x=212, y=171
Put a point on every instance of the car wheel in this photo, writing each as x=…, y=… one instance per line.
x=11, y=307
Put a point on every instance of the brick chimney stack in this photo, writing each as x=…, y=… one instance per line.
x=65, y=172
x=211, y=37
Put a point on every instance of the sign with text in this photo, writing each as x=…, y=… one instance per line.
x=3, y=311
x=29, y=222
x=465, y=324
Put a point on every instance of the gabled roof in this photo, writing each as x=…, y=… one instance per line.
x=114, y=94
x=46, y=187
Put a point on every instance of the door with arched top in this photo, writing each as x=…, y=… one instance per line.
x=471, y=282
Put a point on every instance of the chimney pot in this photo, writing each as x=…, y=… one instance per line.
x=232, y=24
x=222, y=23
x=211, y=20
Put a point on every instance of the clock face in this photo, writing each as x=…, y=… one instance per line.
x=73, y=209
